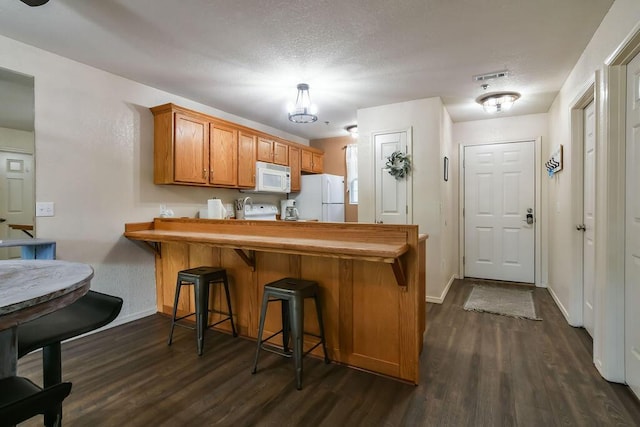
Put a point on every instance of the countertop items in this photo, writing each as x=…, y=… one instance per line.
x=372, y=279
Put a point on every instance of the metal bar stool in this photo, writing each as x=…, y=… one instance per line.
x=292, y=293
x=201, y=278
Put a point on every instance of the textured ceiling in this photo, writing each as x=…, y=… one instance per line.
x=247, y=57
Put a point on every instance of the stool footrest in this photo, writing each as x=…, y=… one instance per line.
x=276, y=350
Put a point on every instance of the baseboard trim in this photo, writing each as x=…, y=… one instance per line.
x=440, y=299
x=121, y=321
x=562, y=308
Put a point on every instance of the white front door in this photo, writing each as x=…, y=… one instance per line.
x=16, y=197
x=589, y=199
x=391, y=194
x=499, y=198
x=632, y=229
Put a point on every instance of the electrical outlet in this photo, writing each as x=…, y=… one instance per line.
x=44, y=209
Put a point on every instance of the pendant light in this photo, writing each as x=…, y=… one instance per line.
x=303, y=111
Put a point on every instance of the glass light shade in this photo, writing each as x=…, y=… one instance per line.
x=353, y=130
x=498, y=102
x=303, y=111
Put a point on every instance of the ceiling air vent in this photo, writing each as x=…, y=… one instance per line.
x=490, y=76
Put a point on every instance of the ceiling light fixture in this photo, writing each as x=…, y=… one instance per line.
x=353, y=130
x=303, y=111
x=498, y=102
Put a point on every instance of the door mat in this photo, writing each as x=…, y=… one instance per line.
x=512, y=302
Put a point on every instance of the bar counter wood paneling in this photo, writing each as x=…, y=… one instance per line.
x=372, y=278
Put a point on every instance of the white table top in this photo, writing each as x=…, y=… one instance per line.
x=33, y=288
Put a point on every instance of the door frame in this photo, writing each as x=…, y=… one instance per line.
x=17, y=150
x=408, y=178
x=538, y=208
x=575, y=316
x=609, y=334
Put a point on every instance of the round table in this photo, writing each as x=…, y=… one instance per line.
x=30, y=289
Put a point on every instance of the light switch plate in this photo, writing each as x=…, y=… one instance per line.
x=44, y=209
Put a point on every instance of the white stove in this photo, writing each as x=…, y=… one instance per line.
x=260, y=211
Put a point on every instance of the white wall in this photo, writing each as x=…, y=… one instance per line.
x=621, y=19
x=503, y=129
x=431, y=136
x=94, y=156
x=16, y=139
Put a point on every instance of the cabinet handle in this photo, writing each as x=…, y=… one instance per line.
x=204, y=173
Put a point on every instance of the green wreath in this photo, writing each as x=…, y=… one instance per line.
x=398, y=165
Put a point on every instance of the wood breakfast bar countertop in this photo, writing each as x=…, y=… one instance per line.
x=372, y=279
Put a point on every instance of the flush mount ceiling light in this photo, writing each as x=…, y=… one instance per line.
x=353, y=130
x=34, y=3
x=303, y=111
x=498, y=102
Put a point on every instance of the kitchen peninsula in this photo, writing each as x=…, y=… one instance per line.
x=372, y=279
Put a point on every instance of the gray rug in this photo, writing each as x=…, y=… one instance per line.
x=502, y=300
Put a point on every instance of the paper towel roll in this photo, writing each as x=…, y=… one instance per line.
x=215, y=209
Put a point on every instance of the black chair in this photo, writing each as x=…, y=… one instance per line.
x=291, y=293
x=88, y=313
x=20, y=399
x=201, y=278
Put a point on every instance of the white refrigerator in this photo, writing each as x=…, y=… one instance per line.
x=321, y=198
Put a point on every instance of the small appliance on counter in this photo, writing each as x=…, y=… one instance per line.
x=288, y=210
x=246, y=209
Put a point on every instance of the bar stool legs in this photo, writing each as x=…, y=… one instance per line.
x=291, y=293
x=202, y=278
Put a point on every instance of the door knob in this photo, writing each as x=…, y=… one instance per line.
x=581, y=227
x=3, y=219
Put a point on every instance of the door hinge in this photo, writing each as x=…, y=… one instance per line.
x=463, y=260
x=463, y=212
x=406, y=209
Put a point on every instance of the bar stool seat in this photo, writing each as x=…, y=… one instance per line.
x=201, y=278
x=21, y=399
x=291, y=293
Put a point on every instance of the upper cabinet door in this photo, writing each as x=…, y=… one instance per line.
x=272, y=151
x=294, y=164
x=311, y=161
x=265, y=150
x=224, y=156
x=318, y=163
x=246, y=160
x=280, y=153
x=191, y=149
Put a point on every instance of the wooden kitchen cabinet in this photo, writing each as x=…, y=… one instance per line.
x=246, y=160
x=181, y=150
x=192, y=148
x=294, y=164
x=272, y=151
x=223, y=160
x=311, y=161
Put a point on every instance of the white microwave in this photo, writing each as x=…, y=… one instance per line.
x=273, y=178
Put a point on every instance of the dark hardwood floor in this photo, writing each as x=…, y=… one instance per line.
x=477, y=369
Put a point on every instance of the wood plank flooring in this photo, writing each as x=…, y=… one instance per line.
x=477, y=369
